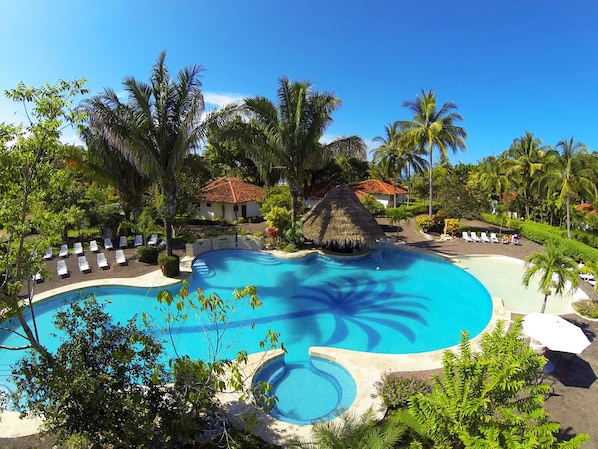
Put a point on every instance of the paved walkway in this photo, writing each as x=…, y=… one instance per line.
x=575, y=390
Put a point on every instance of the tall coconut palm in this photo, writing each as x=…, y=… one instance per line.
x=393, y=156
x=388, y=155
x=491, y=176
x=566, y=174
x=156, y=128
x=526, y=158
x=554, y=269
x=433, y=127
x=287, y=135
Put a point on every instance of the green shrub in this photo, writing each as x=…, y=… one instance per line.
x=423, y=222
x=451, y=226
x=278, y=218
x=589, y=309
x=375, y=207
x=395, y=389
x=169, y=265
x=147, y=254
x=290, y=248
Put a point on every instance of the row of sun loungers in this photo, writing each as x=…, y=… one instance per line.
x=94, y=248
x=473, y=237
x=83, y=264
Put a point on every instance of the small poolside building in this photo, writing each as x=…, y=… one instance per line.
x=339, y=222
x=383, y=191
x=229, y=199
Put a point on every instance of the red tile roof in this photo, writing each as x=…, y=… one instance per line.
x=231, y=190
x=375, y=186
x=587, y=207
x=319, y=191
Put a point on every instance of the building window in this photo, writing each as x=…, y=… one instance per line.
x=208, y=204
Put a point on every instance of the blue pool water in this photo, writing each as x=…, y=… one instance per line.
x=390, y=301
x=331, y=389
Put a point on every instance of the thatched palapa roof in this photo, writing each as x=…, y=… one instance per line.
x=340, y=219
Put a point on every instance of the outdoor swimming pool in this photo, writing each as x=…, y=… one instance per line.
x=392, y=301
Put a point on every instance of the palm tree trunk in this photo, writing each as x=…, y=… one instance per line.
x=568, y=219
x=544, y=304
x=431, y=178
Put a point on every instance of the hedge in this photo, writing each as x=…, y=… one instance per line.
x=542, y=233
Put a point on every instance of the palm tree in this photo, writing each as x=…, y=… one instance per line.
x=567, y=174
x=554, y=268
x=491, y=177
x=157, y=127
x=432, y=127
x=526, y=158
x=287, y=136
x=108, y=166
x=388, y=155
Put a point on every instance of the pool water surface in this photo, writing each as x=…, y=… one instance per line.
x=392, y=301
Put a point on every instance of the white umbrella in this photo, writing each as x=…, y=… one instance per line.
x=555, y=333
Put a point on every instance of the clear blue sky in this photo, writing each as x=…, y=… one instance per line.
x=510, y=66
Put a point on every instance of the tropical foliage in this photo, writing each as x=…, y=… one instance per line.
x=554, y=270
x=161, y=122
x=432, y=127
x=287, y=136
x=489, y=397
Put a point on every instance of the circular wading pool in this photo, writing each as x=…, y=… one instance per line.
x=308, y=391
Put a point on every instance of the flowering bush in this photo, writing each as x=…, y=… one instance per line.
x=423, y=222
x=272, y=233
x=395, y=390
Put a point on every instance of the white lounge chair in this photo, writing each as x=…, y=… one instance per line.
x=108, y=244
x=37, y=278
x=64, y=251
x=474, y=237
x=93, y=246
x=153, y=240
x=102, y=261
x=120, y=257
x=122, y=242
x=466, y=237
x=48, y=254
x=61, y=268
x=83, y=264
x=484, y=237
x=138, y=240
x=493, y=237
x=587, y=277
x=78, y=248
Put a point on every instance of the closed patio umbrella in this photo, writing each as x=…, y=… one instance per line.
x=554, y=332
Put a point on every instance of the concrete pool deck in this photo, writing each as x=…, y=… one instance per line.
x=571, y=405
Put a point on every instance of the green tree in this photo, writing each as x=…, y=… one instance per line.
x=432, y=127
x=356, y=432
x=525, y=158
x=161, y=122
x=287, y=136
x=394, y=156
x=490, y=176
x=28, y=177
x=554, y=269
x=566, y=174
x=197, y=382
x=489, y=398
x=388, y=155
x=108, y=166
x=103, y=383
